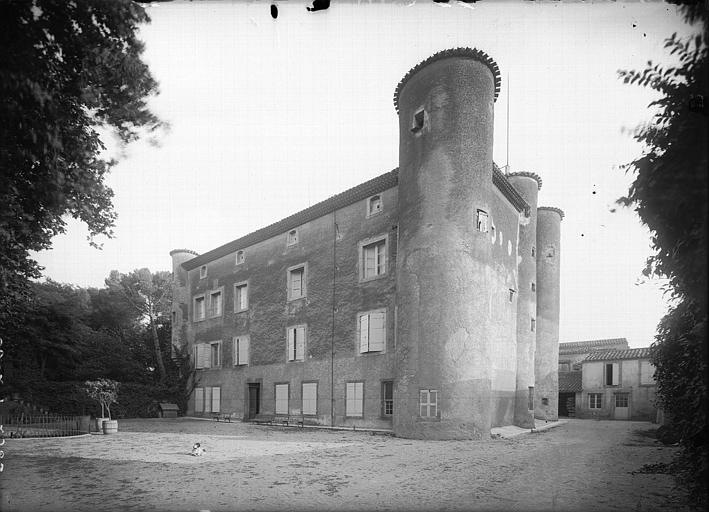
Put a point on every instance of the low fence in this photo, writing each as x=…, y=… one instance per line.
x=44, y=426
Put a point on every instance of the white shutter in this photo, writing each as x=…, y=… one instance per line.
x=433, y=400
x=216, y=399
x=364, y=333
x=310, y=397
x=291, y=335
x=281, y=398
x=647, y=372
x=198, y=399
x=296, y=279
x=423, y=403
x=381, y=258
x=349, y=399
x=300, y=344
x=203, y=355
x=377, y=331
x=195, y=357
x=207, y=399
x=244, y=350
x=369, y=261
x=244, y=296
x=616, y=374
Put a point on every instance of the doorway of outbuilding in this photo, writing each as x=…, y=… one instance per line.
x=567, y=405
x=254, y=399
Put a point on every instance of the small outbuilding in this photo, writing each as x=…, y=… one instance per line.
x=168, y=410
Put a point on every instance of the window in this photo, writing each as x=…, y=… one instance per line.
x=594, y=400
x=374, y=205
x=239, y=257
x=241, y=350
x=296, y=343
x=418, y=120
x=372, y=331
x=215, y=304
x=282, y=398
x=482, y=221
x=387, y=398
x=296, y=282
x=511, y=295
x=292, y=237
x=354, y=399
x=203, y=271
x=241, y=297
x=530, y=398
x=621, y=399
x=534, y=251
x=207, y=355
x=564, y=366
x=310, y=398
x=534, y=287
x=647, y=373
x=428, y=403
x=199, y=308
x=533, y=324
x=612, y=374
x=373, y=259
x=207, y=399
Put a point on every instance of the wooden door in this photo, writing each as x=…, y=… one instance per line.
x=254, y=400
x=621, y=410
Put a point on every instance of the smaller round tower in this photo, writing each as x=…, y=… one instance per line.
x=528, y=185
x=180, y=296
x=546, y=358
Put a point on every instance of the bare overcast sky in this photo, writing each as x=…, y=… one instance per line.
x=271, y=116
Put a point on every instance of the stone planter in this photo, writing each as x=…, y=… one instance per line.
x=110, y=426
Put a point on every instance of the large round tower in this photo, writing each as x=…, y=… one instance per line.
x=180, y=295
x=546, y=358
x=528, y=185
x=443, y=385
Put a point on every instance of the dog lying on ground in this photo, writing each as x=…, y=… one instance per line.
x=197, y=450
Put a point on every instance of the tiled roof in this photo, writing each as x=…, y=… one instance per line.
x=346, y=198
x=352, y=195
x=471, y=53
x=569, y=381
x=580, y=347
x=613, y=354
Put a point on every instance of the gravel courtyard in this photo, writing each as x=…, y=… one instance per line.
x=580, y=465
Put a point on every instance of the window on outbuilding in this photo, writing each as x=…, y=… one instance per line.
x=310, y=398
x=282, y=398
x=354, y=399
x=594, y=400
x=612, y=374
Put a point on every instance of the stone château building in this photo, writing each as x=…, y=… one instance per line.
x=425, y=300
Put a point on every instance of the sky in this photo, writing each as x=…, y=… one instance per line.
x=268, y=117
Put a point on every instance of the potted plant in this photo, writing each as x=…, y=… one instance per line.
x=105, y=392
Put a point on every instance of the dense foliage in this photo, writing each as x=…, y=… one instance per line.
x=66, y=335
x=670, y=195
x=66, y=68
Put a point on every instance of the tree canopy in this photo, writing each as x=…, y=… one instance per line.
x=66, y=69
x=670, y=196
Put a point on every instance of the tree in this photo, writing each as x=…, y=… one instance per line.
x=105, y=392
x=66, y=68
x=670, y=196
x=150, y=294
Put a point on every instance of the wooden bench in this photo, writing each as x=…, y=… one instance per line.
x=278, y=419
x=224, y=417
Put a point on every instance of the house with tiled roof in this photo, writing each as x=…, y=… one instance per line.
x=618, y=384
x=423, y=301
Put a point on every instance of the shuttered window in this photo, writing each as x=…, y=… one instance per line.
x=198, y=399
x=594, y=400
x=215, y=304
x=612, y=374
x=372, y=331
x=199, y=309
x=207, y=399
x=241, y=297
x=282, y=399
x=296, y=343
x=374, y=259
x=241, y=350
x=296, y=282
x=207, y=355
x=428, y=403
x=310, y=398
x=354, y=399
x=216, y=399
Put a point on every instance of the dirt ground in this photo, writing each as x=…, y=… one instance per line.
x=580, y=465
